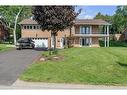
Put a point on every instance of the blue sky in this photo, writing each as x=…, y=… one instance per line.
x=88, y=12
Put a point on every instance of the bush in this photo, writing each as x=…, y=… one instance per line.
x=114, y=43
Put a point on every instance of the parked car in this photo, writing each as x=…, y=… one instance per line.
x=25, y=43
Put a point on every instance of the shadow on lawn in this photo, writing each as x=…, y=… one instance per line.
x=122, y=64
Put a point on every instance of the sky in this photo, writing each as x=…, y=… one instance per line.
x=89, y=12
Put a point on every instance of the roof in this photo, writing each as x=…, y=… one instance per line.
x=91, y=22
x=77, y=22
x=28, y=21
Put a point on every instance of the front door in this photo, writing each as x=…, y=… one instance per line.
x=84, y=41
x=62, y=42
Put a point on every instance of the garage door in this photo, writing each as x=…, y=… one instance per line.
x=40, y=42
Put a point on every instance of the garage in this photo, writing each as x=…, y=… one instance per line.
x=40, y=42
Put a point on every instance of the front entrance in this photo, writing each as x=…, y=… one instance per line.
x=84, y=41
x=62, y=42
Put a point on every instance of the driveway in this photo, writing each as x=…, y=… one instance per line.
x=13, y=63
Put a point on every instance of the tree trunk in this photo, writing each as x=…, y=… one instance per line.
x=16, y=18
x=54, y=41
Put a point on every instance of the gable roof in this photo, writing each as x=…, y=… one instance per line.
x=77, y=22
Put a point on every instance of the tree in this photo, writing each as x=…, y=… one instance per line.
x=14, y=14
x=54, y=18
x=106, y=17
x=120, y=19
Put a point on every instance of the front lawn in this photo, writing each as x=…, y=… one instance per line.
x=106, y=66
x=4, y=47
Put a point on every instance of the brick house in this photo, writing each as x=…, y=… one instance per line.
x=85, y=32
x=4, y=32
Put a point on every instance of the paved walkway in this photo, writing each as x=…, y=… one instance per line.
x=13, y=63
x=40, y=85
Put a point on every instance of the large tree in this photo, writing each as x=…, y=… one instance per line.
x=120, y=19
x=13, y=15
x=54, y=18
x=106, y=17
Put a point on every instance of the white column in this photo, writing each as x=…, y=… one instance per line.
x=108, y=36
x=90, y=37
x=90, y=29
x=105, y=41
x=107, y=30
x=108, y=41
x=80, y=42
x=90, y=42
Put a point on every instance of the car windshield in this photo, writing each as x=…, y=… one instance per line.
x=24, y=40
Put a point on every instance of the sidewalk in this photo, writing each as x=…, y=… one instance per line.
x=40, y=85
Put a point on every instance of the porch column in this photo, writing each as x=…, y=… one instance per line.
x=90, y=42
x=105, y=41
x=108, y=41
x=107, y=36
x=90, y=29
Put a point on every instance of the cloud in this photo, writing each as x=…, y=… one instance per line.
x=88, y=17
x=86, y=14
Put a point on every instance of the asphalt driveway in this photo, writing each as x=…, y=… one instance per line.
x=13, y=63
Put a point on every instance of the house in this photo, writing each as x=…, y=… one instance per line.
x=4, y=32
x=85, y=32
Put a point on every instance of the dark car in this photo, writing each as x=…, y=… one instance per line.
x=25, y=43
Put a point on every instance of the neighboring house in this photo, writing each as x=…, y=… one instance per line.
x=4, y=32
x=85, y=32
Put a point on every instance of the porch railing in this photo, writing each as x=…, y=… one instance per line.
x=92, y=34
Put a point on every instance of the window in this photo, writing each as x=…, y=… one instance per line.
x=34, y=27
x=84, y=29
x=30, y=27
x=24, y=27
x=27, y=27
x=37, y=27
x=40, y=26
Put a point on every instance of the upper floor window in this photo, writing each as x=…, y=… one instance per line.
x=24, y=27
x=31, y=27
x=34, y=27
x=28, y=27
x=84, y=29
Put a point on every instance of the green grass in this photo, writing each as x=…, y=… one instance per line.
x=84, y=66
x=4, y=47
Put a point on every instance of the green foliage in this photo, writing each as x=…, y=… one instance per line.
x=54, y=18
x=120, y=19
x=9, y=13
x=114, y=43
x=104, y=17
